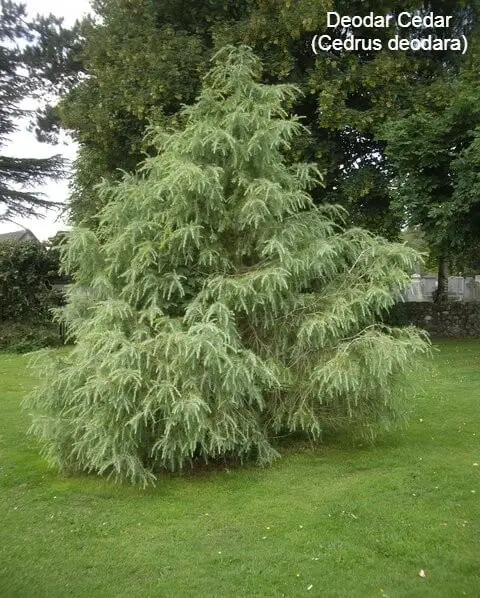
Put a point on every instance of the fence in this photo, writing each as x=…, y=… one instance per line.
x=460, y=288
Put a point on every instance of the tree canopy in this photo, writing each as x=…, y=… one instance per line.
x=435, y=151
x=145, y=59
x=215, y=306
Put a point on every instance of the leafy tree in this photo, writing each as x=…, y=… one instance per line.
x=146, y=58
x=144, y=61
x=19, y=176
x=465, y=256
x=348, y=96
x=216, y=306
x=436, y=151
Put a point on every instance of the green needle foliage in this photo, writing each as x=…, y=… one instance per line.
x=216, y=307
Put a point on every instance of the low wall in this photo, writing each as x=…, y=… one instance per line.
x=456, y=319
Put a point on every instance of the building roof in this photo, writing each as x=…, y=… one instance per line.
x=18, y=235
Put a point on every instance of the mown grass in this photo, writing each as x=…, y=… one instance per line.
x=340, y=521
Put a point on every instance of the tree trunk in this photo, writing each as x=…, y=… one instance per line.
x=441, y=295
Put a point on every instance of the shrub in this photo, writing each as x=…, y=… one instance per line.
x=22, y=337
x=27, y=271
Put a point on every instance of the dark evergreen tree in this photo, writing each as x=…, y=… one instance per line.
x=19, y=52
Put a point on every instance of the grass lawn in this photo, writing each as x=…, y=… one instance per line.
x=330, y=522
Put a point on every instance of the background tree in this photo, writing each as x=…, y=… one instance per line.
x=435, y=149
x=144, y=59
x=20, y=51
x=216, y=306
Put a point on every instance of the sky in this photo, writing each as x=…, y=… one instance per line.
x=24, y=145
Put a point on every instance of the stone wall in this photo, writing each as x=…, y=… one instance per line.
x=456, y=319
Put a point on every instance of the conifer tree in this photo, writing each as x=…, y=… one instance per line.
x=23, y=74
x=216, y=307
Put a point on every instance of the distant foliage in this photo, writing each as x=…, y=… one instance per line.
x=216, y=307
x=27, y=270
